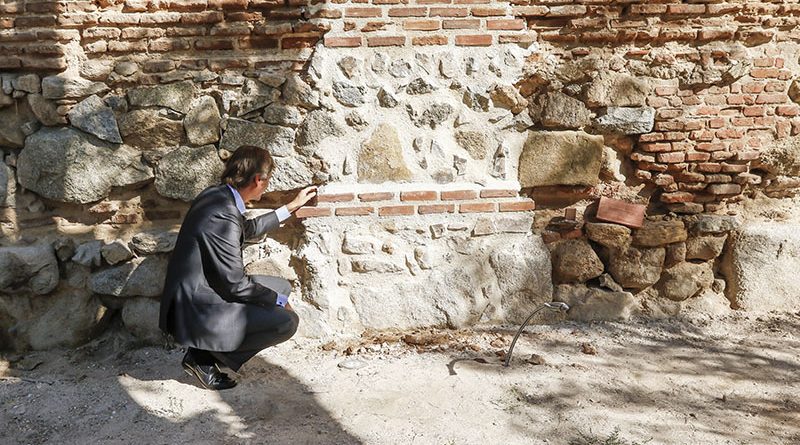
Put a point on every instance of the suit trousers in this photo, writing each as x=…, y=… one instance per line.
x=265, y=327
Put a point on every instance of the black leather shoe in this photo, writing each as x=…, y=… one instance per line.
x=210, y=376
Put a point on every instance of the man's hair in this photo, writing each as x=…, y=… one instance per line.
x=245, y=163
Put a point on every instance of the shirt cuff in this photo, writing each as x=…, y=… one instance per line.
x=282, y=300
x=282, y=214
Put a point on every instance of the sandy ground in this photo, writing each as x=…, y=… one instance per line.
x=725, y=381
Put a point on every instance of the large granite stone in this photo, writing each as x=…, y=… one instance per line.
x=608, y=235
x=297, y=92
x=202, y=122
x=317, y=126
x=185, y=172
x=574, y=261
x=660, y=233
x=475, y=142
x=685, y=280
x=176, y=96
x=45, y=110
x=559, y=111
x=32, y=269
x=278, y=141
x=524, y=276
x=348, y=94
x=626, y=120
x=95, y=117
x=64, y=86
x=150, y=130
x=149, y=243
x=64, y=164
x=635, y=268
x=705, y=247
x=593, y=304
x=560, y=158
x=611, y=89
x=381, y=157
x=760, y=266
x=141, y=277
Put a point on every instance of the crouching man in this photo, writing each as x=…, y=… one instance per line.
x=224, y=316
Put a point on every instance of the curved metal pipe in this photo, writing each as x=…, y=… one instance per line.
x=554, y=306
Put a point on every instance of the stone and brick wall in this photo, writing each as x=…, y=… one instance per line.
x=432, y=127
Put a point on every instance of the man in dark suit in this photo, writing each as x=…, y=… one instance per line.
x=224, y=316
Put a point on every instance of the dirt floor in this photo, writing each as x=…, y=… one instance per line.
x=734, y=380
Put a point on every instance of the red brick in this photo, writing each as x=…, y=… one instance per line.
x=498, y=193
x=202, y=17
x=454, y=195
x=363, y=12
x=747, y=155
x=708, y=167
x=567, y=11
x=461, y=24
x=429, y=40
x=671, y=158
x=765, y=73
x=721, y=155
x=354, y=211
x=448, y=12
x=376, y=196
x=396, y=210
x=376, y=41
x=697, y=156
x=409, y=12
x=771, y=98
x=676, y=197
x=753, y=111
x=530, y=11
x=436, y=208
x=421, y=25
x=787, y=110
x=477, y=207
x=424, y=195
x=487, y=12
x=666, y=90
x=510, y=24
x=656, y=147
x=296, y=42
x=342, y=42
x=474, y=40
x=308, y=212
x=336, y=197
x=734, y=168
x=517, y=206
x=724, y=189
x=642, y=9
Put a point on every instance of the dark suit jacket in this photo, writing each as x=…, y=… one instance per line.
x=206, y=293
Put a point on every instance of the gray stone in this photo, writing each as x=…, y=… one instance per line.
x=141, y=277
x=611, y=89
x=421, y=85
x=5, y=182
x=318, y=126
x=350, y=66
x=140, y=317
x=5, y=99
x=626, y=120
x=760, y=266
x=283, y=116
x=94, y=117
x=31, y=269
x=126, y=68
x=185, y=172
x=149, y=243
x=89, y=254
x=176, y=96
x=70, y=87
x=557, y=110
x=473, y=141
x=28, y=83
x=476, y=99
x=608, y=235
x=607, y=281
x=523, y=272
x=289, y=173
x=386, y=98
x=255, y=96
x=356, y=120
x=592, y=304
x=400, y=68
x=298, y=93
x=560, y=158
x=376, y=265
x=433, y=115
x=381, y=157
x=278, y=141
x=506, y=96
x=448, y=66
x=660, y=233
x=574, y=261
x=705, y=247
x=360, y=245
x=685, y=280
x=45, y=110
x=149, y=130
x=522, y=122
x=13, y=122
x=635, y=268
x=702, y=224
x=202, y=122
x=65, y=165
x=117, y=103
x=116, y=252
x=675, y=254
x=348, y=94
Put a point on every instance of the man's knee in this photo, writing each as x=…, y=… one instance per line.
x=289, y=327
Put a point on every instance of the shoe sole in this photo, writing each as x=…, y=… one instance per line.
x=192, y=373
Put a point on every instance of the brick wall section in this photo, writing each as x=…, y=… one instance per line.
x=417, y=202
